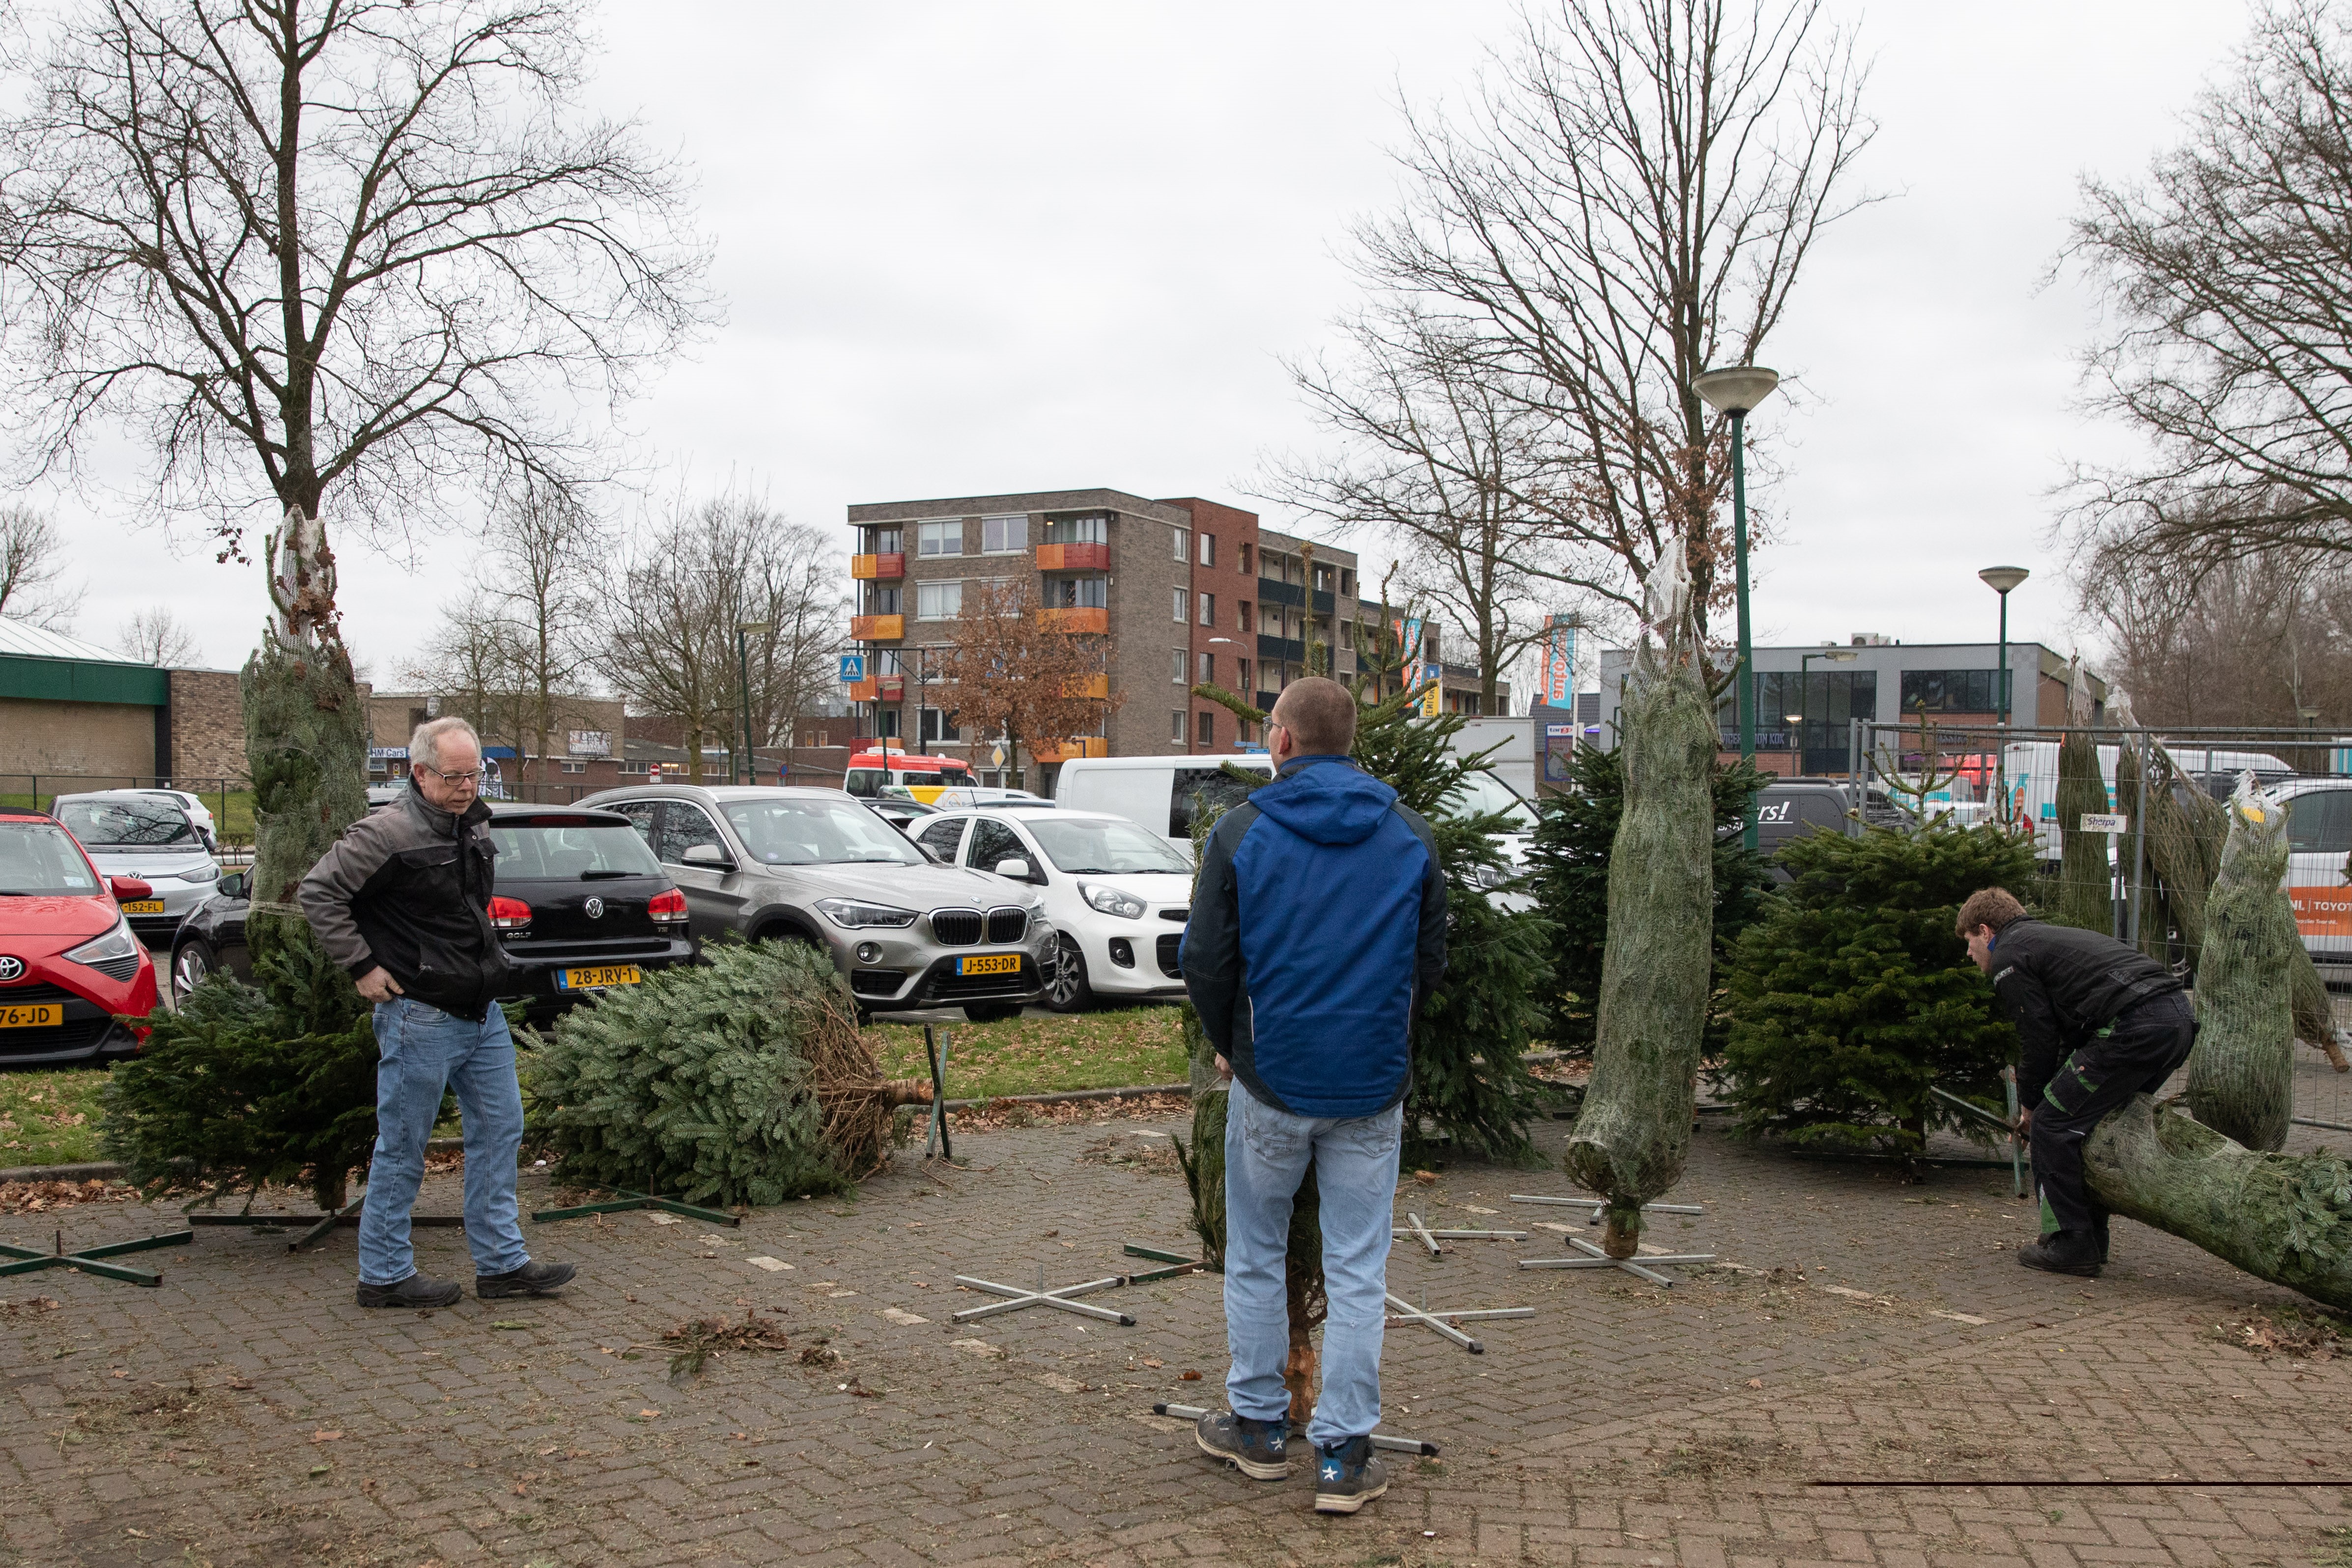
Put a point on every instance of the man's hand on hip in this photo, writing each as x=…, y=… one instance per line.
x=378, y=986
x=2026, y=1123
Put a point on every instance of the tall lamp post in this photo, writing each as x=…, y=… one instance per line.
x=2002, y=580
x=743, y=632
x=1735, y=390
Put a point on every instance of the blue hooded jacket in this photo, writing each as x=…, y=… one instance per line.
x=1317, y=926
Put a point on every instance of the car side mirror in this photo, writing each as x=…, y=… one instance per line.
x=231, y=885
x=708, y=855
x=1017, y=868
x=128, y=890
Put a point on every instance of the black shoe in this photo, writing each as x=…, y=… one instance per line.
x=2063, y=1252
x=2099, y=1230
x=1348, y=1477
x=414, y=1292
x=530, y=1279
x=1259, y=1449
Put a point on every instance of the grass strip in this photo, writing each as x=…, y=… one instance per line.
x=1044, y=1055
x=50, y=1117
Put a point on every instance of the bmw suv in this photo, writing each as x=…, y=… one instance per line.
x=783, y=863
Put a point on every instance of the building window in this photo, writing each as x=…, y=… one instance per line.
x=882, y=600
x=1322, y=578
x=1951, y=691
x=1077, y=593
x=936, y=727
x=576, y=767
x=1003, y=535
x=1176, y=724
x=1093, y=529
x=1183, y=543
x=1208, y=735
x=939, y=601
x=889, y=661
x=1244, y=560
x=1347, y=583
x=1208, y=665
x=1208, y=550
x=1208, y=609
x=1180, y=666
x=944, y=538
x=1181, y=605
x=1242, y=614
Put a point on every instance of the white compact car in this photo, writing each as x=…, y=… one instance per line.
x=149, y=835
x=1118, y=896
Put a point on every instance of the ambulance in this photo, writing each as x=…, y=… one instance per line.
x=922, y=777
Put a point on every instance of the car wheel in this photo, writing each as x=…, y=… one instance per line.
x=991, y=1012
x=190, y=961
x=1066, y=990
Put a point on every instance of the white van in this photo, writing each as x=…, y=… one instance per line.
x=2033, y=767
x=1158, y=794
x=2318, y=839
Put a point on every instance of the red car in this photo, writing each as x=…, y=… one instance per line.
x=69, y=960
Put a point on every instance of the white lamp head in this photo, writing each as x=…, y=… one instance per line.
x=2002, y=579
x=1735, y=389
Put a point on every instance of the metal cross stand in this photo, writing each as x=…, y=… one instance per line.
x=1444, y=1321
x=1178, y=1262
x=1380, y=1439
x=30, y=1260
x=1041, y=1297
x=1639, y=1267
x=1430, y=1238
x=626, y=1202
x=1597, y=1205
x=314, y=1226
x=938, y=1057
x=1969, y=1108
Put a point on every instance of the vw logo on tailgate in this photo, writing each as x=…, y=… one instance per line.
x=595, y=907
x=11, y=968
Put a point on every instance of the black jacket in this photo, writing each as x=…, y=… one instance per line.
x=2060, y=986
x=408, y=888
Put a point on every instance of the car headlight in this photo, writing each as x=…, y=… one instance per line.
x=854, y=915
x=116, y=943
x=1110, y=900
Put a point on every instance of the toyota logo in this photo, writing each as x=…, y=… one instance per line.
x=11, y=968
x=595, y=909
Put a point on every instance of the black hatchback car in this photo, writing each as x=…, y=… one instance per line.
x=581, y=907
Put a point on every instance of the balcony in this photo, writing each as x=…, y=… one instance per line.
x=1049, y=752
x=1079, y=620
x=1292, y=650
x=1096, y=686
x=878, y=568
x=893, y=687
x=1073, y=558
x=1271, y=592
x=876, y=628
x=864, y=690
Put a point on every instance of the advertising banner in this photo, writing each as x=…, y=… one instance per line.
x=1556, y=680
x=2323, y=911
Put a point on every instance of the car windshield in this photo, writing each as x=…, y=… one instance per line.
x=1111, y=848
x=806, y=830
x=570, y=852
x=38, y=857
x=129, y=822
x=1483, y=792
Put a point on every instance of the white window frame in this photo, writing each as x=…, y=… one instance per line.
x=938, y=587
x=1209, y=550
x=1208, y=667
x=1182, y=665
x=1183, y=549
x=946, y=531
x=1178, y=727
x=1208, y=609
x=1020, y=549
x=1183, y=604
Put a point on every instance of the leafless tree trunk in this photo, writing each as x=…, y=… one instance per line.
x=358, y=246
x=30, y=570
x=545, y=557
x=154, y=635
x=477, y=662
x=1628, y=202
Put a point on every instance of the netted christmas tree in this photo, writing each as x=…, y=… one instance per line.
x=1568, y=863
x=1852, y=996
x=2241, y=1073
x=2082, y=897
x=246, y=1086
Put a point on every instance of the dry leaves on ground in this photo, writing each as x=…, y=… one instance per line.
x=1130, y=1153
x=997, y=1113
x=699, y=1341
x=39, y=1198
x=2305, y=1334
x=33, y=1304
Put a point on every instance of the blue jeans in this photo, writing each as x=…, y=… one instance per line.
x=1355, y=1159
x=422, y=1051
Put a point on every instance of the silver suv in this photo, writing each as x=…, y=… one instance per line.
x=815, y=865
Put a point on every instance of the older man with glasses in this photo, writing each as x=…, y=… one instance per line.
x=402, y=903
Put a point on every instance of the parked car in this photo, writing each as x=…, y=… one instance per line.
x=902, y=815
x=799, y=864
x=70, y=965
x=1158, y=794
x=1119, y=897
x=1484, y=792
x=2318, y=843
x=198, y=813
x=969, y=796
x=581, y=906
x=149, y=835
x=386, y=792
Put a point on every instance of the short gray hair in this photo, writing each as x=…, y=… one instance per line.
x=425, y=745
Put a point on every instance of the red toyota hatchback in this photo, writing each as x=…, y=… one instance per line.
x=69, y=961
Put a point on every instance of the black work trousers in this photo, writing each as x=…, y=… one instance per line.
x=2146, y=1044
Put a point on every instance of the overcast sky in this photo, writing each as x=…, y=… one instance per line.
x=968, y=249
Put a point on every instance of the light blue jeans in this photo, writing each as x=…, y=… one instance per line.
x=422, y=1051
x=1355, y=1159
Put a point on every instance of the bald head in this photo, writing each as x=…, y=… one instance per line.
x=1320, y=715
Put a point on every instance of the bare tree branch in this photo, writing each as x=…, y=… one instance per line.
x=32, y=569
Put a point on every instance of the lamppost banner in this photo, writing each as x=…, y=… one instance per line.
x=1559, y=675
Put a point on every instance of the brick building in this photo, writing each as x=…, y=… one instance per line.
x=82, y=716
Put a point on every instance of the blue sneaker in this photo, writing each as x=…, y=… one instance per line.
x=1346, y=1477
x=1259, y=1449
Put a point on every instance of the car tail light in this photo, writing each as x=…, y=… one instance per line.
x=509, y=914
x=668, y=905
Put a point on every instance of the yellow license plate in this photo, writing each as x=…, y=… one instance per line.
x=992, y=963
x=598, y=977
x=144, y=906
x=32, y=1016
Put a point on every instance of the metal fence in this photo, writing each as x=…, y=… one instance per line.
x=40, y=790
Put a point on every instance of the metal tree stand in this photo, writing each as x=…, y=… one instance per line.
x=314, y=1226
x=626, y=1202
x=1401, y=1310
x=1380, y=1439
x=1178, y=1262
x=938, y=1059
x=30, y=1260
x=1430, y=1238
x=1641, y=1268
x=1041, y=1297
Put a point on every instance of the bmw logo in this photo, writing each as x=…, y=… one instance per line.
x=11, y=968
x=595, y=909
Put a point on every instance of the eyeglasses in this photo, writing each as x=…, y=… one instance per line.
x=471, y=776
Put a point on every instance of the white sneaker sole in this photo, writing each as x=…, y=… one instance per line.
x=1250, y=1468
x=1335, y=1503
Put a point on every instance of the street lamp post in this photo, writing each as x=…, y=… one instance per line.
x=2003, y=580
x=1735, y=390
x=743, y=630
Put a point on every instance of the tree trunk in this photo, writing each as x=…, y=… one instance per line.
x=2286, y=1218
x=2242, y=1074
x=1633, y=1131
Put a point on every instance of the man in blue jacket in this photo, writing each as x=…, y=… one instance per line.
x=1317, y=927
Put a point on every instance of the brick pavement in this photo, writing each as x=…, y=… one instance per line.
x=248, y=1413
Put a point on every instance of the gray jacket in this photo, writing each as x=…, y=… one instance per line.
x=407, y=888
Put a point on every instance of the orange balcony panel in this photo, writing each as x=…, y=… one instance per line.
x=878, y=568
x=876, y=628
x=1073, y=558
x=1050, y=752
x=1076, y=620
x=864, y=690
x=1086, y=686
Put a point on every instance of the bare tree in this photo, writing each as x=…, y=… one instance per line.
x=2228, y=284
x=154, y=635
x=357, y=245
x=478, y=663
x=1436, y=459
x=32, y=569
x=1628, y=202
x=1019, y=676
x=543, y=560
